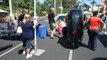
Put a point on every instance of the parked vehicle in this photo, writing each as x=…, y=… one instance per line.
x=60, y=17
x=75, y=27
x=3, y=30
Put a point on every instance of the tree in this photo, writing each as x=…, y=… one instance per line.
x=93, y=2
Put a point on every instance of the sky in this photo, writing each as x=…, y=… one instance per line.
x=41, y=1
x=86, y=1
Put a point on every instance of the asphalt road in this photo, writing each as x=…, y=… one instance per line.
x=54, y=50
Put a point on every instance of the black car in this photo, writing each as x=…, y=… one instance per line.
x=74, y=29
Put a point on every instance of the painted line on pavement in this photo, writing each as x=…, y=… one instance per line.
x=10, y=50
x=70, y=55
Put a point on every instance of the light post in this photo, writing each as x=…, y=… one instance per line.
x=36, y=51
x=35, y=22
x=16, y=8
x=61, y=7
x=11, y=14
x=55, y=7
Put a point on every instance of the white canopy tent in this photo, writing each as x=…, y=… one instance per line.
x=3, y=11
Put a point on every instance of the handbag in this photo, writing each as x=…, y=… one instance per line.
x=19, y=30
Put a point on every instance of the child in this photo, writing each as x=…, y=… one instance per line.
x=59, y=28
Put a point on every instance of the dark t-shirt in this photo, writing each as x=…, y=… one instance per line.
x=51, y=16
x=27, y=29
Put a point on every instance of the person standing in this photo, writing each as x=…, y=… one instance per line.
x=52, y=23
x=27, y=34
x=93, y=30
x=59, y=28
x=104, y=18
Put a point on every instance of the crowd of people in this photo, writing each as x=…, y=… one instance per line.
x=93, y=29
x=27, y=25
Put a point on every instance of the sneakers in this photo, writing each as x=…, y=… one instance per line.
x=28, y=55
x=23, y=52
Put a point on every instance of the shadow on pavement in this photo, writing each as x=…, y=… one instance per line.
x=100, y=58
x=20, y=51
x=66, y=44
x=12, y=38
x=103, y=39
x=5, y=47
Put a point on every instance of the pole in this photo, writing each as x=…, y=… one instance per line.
x=36, y=51
x=104, y=8
x=35, y=22
x=10, y=6
x=16, y=9
x=61, y=7
x=55, y=7
x=98, y=8
x=93, y=4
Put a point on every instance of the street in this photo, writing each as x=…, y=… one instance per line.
x=54, y=50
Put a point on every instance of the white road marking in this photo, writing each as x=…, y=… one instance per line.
x=70, y=55
x=39, y=52
x=10, y=50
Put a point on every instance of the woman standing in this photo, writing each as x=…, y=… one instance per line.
x=27, y=34
x=93, y=30
x=52, y=23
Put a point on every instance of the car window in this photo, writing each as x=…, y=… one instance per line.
x=2, y=28
x=74, y=15
x=76, y=12
x=61, y=17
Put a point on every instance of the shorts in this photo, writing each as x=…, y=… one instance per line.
x=52, y=26
x=27, y=43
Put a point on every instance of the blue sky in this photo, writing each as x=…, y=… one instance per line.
x=86, y=1
x=41, y=1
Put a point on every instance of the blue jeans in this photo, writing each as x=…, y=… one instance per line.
x=93, y=34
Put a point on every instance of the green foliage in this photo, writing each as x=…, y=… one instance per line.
x=42, y=9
